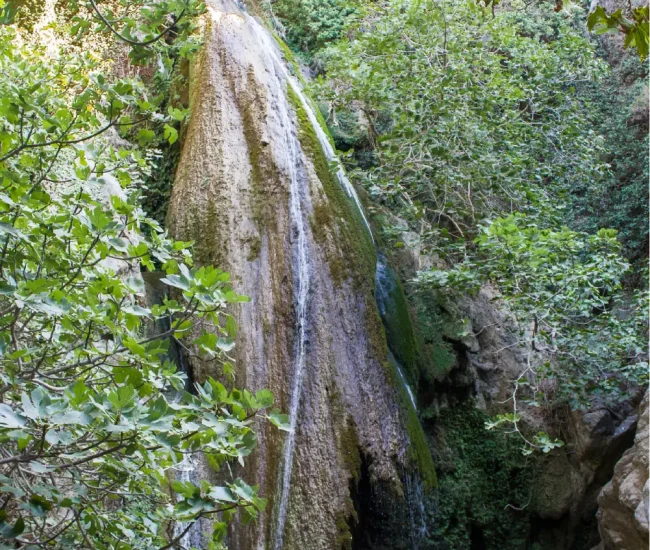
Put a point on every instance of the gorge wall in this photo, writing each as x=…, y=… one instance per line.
x=255, y=192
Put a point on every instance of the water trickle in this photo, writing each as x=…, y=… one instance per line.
x=416, y=510
x=385, y=285
x=300, y=259
x=330, y=154
x=186, y=471
x=301, y=284
x=301, y=277
x=400, y=373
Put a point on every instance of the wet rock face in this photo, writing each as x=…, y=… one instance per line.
x=623, y=502
x=247, y=149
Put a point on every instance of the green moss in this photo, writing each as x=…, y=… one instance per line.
x=266, y=179
x=320, y=220
x=419, y=450
x=349, y=446
x=402, y=338
x=290, y=58
x=480, y=473
x=336, y=224
x=323, y=124
x=435, y=324
x=254, y=248
x=295, y=69
x=208, y=245
x=350, y=451
x=343, y=534
x=375, y=330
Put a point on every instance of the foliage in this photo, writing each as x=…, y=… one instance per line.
x=141, y=24
x=564, y=289
x=484, y=126
x=309, y=25
x=620, y=200
x=485, y=487
x=634, y=27
x=484, y=114
x=94, y=418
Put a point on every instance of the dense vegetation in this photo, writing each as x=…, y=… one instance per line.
x=95, y=418
x=494, y=137
x=478, y=129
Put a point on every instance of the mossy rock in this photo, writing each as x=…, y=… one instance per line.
x=337, y=224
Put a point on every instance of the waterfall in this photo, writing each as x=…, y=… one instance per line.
x=300, y=255
x=416, y=510
x=301, y=282
x=246, y=190
x=301, y=276
x=330, y=154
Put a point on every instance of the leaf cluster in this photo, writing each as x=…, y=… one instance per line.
x=97, y=422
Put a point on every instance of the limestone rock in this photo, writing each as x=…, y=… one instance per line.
x=244, y=157
x=623, y=513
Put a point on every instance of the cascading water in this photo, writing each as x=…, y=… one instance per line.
x=250, y=191
x=385, y=286
x=416, y=510
x=301, y=281
x=325, y=144
x=330, y=153
x=400, y=373
x=301, y=273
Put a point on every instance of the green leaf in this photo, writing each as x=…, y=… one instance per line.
x=11, y=532
x=9, y=419
x=264, y=398
x=279, y=420
x=171, y=134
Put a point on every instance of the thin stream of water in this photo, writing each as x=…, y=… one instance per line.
x=302, y=276
x=302, y=282
x=400, y=373
x=186, y=471
x=330, y=153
